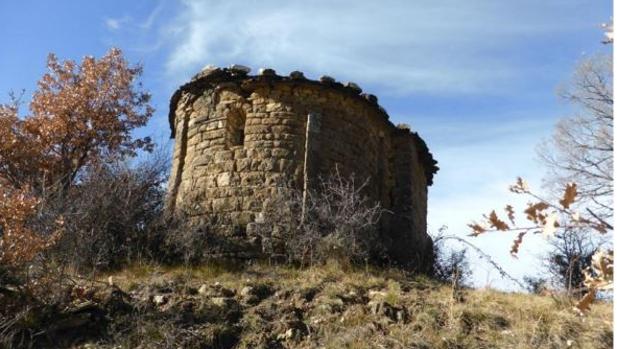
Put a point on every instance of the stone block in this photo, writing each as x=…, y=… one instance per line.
x=223, y=155
x=225, y=204
x=243, y=164
x=223, y=179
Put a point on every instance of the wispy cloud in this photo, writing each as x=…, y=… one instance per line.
x=405, y=46
x=130, y=23
x=152, y=17
x=139, y=32
x=116, y=23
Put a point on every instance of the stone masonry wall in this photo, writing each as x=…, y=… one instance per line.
x=240, y=138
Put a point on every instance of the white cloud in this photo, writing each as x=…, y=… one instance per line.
x=112, y=23
x=138, y=33
x=153, y=16
x=116, y=23
x=129, y=23
x=404, y=46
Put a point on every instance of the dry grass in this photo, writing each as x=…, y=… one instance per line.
x=339, y=315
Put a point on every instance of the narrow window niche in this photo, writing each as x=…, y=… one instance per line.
x=236, y=122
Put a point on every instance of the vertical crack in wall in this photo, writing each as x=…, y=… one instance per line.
x=310, y=149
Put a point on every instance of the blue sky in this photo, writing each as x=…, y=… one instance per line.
x=476, y=79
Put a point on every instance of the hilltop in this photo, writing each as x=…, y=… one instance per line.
x=260, y=306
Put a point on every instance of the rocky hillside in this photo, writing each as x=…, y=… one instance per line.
x=326, y=307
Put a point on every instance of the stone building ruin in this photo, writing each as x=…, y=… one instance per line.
x=240, y=137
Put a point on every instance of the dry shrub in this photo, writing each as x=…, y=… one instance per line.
x=108, y=218
x=334, y=221
x=451, y=265
x=65, y=191
x=190, y=238
x=110, y=214
x=185, y=241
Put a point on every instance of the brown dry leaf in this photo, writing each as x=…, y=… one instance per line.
x=517, y=244
x=535, y=212
x=584, y=305
x=510, y=211
x=476, y=228
x=569, y=195
x=601, y=279
x=496, y=222
x=19, y=244
x=520, y=187
x=602, y=265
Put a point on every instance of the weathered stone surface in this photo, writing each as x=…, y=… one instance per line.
x=405, y=127
x=255, y=294
x=267, y=72
x=354, y=87
x=240, y=68
x=208, y=70
x=297, y=75
x=369, y=97
x=241, y=138
x=326, y=79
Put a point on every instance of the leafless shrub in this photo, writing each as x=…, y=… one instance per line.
x=334, y=221
x=189, y=237
x=536, y=285
x=451, y=265
x=572, y=251
x=186, y=241
x=109, y=213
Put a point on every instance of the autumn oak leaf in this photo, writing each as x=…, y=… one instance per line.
x=496, y=222
x=517, y=244
x=510, y=212
x=584, y=305
x=569, y=195
x=476, y=229
x=520, y=187
x=535, y=212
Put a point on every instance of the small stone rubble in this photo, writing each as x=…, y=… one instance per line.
x=264, y=313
